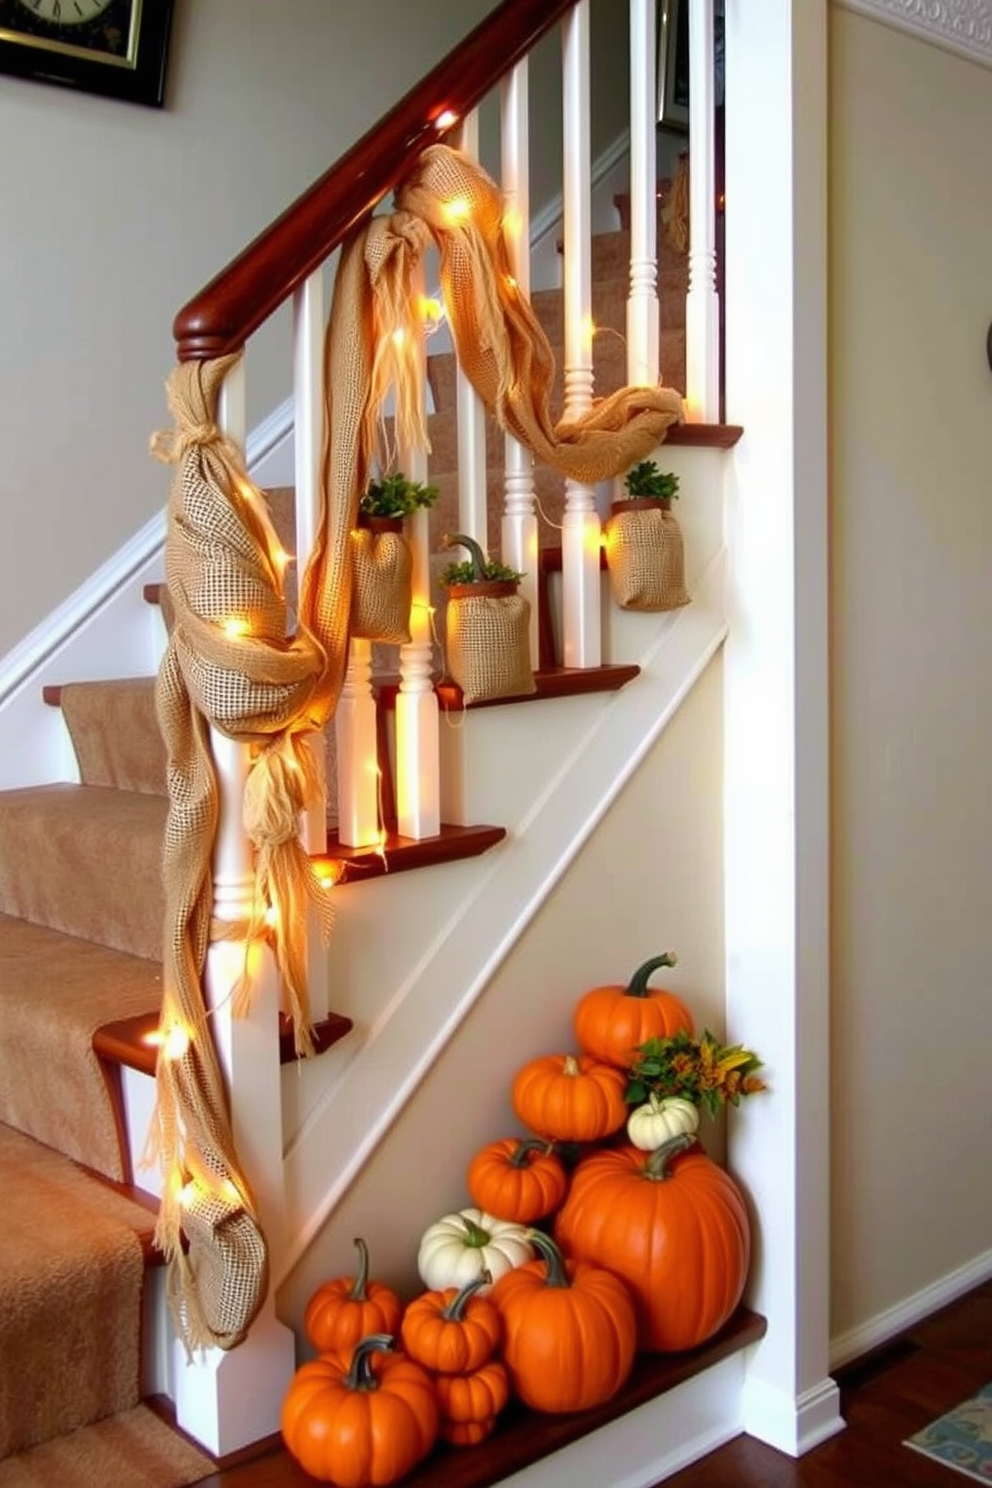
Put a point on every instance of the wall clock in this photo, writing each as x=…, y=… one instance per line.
x=114, y=47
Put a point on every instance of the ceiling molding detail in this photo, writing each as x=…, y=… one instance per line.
x=962, y=26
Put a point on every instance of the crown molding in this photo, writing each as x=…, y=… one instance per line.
x=962, y=26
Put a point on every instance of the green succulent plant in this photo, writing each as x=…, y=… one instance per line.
x=647, y=482
x=395, y=496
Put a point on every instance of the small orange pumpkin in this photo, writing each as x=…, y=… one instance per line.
x=452, y=1331
x=475, y=1396
x=570, y=1330
x=520, y=1180
x=612, y=1022
x=673, y=1225
x=466, y=1433
x=342, y=1311
x=573, y=1099
x=372, y=1424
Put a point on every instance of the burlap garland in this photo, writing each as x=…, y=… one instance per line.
x=645, y=556
x=487, y=631
x=230, y=664
x=383, y=586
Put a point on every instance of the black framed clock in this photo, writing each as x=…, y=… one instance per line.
x=115, y=47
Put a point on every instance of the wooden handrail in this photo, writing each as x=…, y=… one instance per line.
x=236, y=302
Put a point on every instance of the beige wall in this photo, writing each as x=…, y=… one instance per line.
x=649, y=878
x=911, y=451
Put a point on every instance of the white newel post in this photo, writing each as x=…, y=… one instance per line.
x=418, y=745
x=702, y=307
x=228, y=1399
x=580, y=538
x=642, y=302
x=519, y=525
x=308, y=384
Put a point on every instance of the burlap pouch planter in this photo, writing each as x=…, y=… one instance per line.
x=382, y=586
x=645, y=556
x=487, y=630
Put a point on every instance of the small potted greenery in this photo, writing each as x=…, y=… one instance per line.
x=487, y=625
x=644, y=550
x=393, y=497
x=382, y=564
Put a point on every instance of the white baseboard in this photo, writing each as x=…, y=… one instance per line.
x=886, y=1325
x=791, y=1424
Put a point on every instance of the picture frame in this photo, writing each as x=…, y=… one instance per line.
x=117, y=48
x=673, y=65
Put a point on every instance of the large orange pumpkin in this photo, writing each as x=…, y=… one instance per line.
x=570, y=1330
x=342, y=1311
x=519, y=1180
x=612, y=1022
x=671, y=1223
x=573, y=1099
x=370, y=1424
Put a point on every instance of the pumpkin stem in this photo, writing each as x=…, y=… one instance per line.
x=478, y=557
x=551, y=1255
x=455, y=1310
x=360, y=1376
x=656, y=1167
x=520, y=1157
x=475, y=1235
x=638, y=984
x=357, y=1293
x=571, y=1065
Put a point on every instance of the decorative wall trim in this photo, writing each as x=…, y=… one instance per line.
x=887, y=1325
x=791, y=1424
x=962, y=26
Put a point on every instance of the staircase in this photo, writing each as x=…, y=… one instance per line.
x=81, y=909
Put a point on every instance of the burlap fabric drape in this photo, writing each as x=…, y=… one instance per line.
x=230, y=665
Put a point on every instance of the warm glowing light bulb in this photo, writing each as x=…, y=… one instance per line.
x=511, y=283
x=234, y=626
x=445, y=119
x=272, y=916
x=399, y=335
x=457, y=209
x=175, y=1042
x=187, y=1194
x=588, y=329
x=327, y=877
x=512, y=222
x=430, y=308
x=230, y=1193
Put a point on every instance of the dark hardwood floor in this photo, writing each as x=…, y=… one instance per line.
x=886, y=1398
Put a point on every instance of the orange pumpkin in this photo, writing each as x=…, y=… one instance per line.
x=452, y=1331
x=570, y=1330
x=612, y=1022
x=671, y=1223
x=475, y=1396
x=341, y=1312
x=519, y=1180
x=568, y=1098
x=372, y=1424
x=466, y=1433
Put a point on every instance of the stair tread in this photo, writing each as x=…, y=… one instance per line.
x=55, y=991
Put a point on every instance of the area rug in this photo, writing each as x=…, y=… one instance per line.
x=961, y=1439
x=132, y=1450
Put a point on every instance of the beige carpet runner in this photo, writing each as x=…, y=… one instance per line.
x=71, y=1271
x=131, y=1450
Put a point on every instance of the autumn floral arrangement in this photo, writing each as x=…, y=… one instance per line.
x=700, y=1070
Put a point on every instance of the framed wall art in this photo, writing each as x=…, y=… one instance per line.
x=115, y=47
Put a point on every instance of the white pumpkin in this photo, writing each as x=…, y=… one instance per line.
x=459, y=1247
x=653, y=1123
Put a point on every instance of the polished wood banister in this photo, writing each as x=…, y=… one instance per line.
x=242, y=296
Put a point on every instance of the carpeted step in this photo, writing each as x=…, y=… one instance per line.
x=55, y=992
x=115, y=734
x=95, y=859
x=72, y=1265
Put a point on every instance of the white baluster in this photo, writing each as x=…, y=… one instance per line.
x=642, y=302
x=470, y=413
x=227, y=1399
x=702, y=307
x=308, y=384
x=418, y=763
x=580, y=540
x=357, y=751
x=519, y=525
